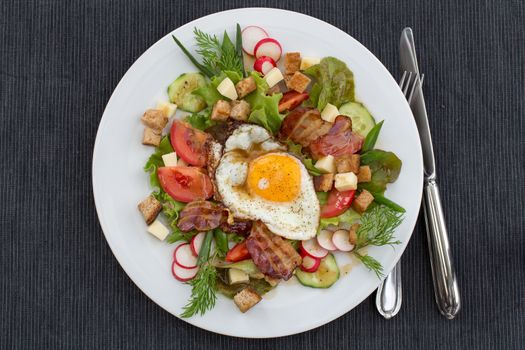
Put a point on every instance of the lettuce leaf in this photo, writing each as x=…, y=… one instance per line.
x=265, y=109
x=209, y=92
x=385, y=167
x=349, y=216
x=201, y=120
x=171, y=210
x=155, y=161
x=335, y=83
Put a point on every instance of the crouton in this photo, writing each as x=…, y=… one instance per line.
x=246, y=299
x=240, y=110
x=221, y=110
x=150, y=208
x=151, y=137
x=292, y=62
x=245, y=86
x=348, y=163
x=323, y=183
x=362, y=201
x=298, y=82
x=353, y=234
x=273, y=90
x=365, y=174
x=155, y=119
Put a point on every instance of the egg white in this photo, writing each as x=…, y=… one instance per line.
x=297, y=219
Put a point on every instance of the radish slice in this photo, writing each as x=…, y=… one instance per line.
x=324, y=238
x=313, y=249
x=268, y=47
x=341, y=239
x=264, y=64
x=310, y=264
x=181, y=273
x=196, y=243
x=184, y=256
x=251, y=35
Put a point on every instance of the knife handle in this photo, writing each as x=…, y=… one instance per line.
x=443, y=274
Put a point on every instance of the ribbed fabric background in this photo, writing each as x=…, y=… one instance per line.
x=61, y=287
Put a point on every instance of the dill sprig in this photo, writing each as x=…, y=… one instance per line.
x=371, y=264
x=203, y=286
x=203, y=291
x=216, y=56
x=378, y=226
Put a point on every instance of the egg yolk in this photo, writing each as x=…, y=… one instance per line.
x=274, y=177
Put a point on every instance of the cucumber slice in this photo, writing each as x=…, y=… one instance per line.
x=326, y=275
x=180, y=92
x=362, y=120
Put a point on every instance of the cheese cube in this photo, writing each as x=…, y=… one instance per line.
x=227, y=89
x=170, y=159
x=158, y=230
x=345, y=181
x=273, y=77
x=168, y=108
x=329, y=113
x=326, y=164
x=307, y=62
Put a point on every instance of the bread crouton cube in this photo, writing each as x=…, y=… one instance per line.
x=348, y=163
x=323, y=183
x=155, y=119
x=365, y=174
x=151, y=137
x=292, y=62
x=240, y=110
x=272, y=281
x=246, y=299
x=353, y=234
x=245, y=86
x=298, y=82
x=221, y=110
x=150, y=208
x=362, y=201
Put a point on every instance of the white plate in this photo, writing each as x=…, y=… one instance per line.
x=119, y=182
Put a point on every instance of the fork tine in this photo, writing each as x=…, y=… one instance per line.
x=402, y=81
x=417, y=80
x=405, y=90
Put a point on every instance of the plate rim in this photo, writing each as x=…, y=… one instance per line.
x=104, y=121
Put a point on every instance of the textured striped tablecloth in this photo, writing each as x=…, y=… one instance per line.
x=61, y=287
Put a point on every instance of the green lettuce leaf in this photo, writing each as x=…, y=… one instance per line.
x=335, y=83
x=296, y=149
x=349, y=216
x=171, y=210
x=155, y=161
x=201, y=120
x=322, y=197
x=209, y=92
x=265, y=109
x=385, y=167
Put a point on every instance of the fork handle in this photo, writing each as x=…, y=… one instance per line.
x=443, y=274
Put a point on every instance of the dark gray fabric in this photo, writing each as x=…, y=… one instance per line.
x=61, y=287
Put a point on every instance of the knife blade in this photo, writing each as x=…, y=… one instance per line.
x=446, y=288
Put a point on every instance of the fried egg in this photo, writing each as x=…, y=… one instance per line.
x=258, y=180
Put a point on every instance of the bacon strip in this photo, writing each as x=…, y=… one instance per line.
x=303, y=125
x=340, y=140
x=273, y=256
x=201, y=216
x=239, y=227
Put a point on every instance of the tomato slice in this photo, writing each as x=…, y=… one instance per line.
x=238, y=252
x=337, y=203
x=189, y=143
x=291, y=99
x=185, y=184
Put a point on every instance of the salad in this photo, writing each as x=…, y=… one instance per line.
x=270, y=173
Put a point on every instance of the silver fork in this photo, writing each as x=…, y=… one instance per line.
x=389, y=293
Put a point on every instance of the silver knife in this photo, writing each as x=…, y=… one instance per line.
x=443, y=274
